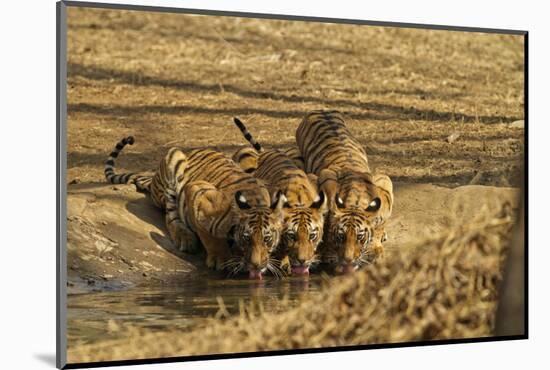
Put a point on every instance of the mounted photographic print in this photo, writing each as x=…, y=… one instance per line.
x=235, y=184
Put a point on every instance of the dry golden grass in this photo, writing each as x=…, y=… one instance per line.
x=441, y=288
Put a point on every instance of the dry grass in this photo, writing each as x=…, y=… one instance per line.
x=175, y=79
x=440, y=288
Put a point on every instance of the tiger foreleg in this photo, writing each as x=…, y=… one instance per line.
x=328, y=182
x=209, y=215
x=379, y=237
x=183, y=238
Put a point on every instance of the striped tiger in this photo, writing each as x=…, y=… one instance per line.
x=305, y=208
x=360, y=202
x=209, y=199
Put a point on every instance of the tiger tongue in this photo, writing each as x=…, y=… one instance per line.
x=255, y=274
x=349, y=268
x=300, y=270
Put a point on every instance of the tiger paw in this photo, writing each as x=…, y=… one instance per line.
x=211, y=262
x=188, y=243
x=183, y=240
x=216, y=263
x=285, y=265
x=220, y=263
x=378, y=250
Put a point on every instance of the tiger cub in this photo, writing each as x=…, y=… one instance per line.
x=210, y=199
x=360, y=202
x=305, y=208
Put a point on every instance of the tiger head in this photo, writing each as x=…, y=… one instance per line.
x=355, y=220
x=256, y=233
x=349, y=233
x=302, y=233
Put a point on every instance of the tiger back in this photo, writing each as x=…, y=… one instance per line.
x=305, y=207
x=360, y=202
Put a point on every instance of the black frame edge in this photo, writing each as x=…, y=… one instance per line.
x=61, y=75
x=164, y=360
x=526, y=180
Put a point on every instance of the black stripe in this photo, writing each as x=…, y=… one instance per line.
x=229, y=172
x=239, y=124
x=170, y=220
x=196, y=153
x=202, y=164
x=196, y=195
x=176, y=169
x=240, y=180
x=244, y=155
x=125, y=177
x=216, y=223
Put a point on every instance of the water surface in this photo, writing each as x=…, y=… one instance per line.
x=97, y=316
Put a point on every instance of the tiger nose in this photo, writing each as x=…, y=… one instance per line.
x=258, y=259
x=348, y=259
x=349, y=256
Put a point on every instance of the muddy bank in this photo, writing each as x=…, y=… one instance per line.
x=117, y=238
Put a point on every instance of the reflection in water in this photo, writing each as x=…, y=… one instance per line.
x=94, y=317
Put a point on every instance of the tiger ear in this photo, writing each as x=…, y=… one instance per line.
x=383, y=181
x=338, y=201
x=241, y=200
x=385, y=184
x=319, y=201
x=279, y=201
x=374, y=205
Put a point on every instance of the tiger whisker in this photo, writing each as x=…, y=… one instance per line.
x=273, y=267
x=236, y=268
x=230, y=262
